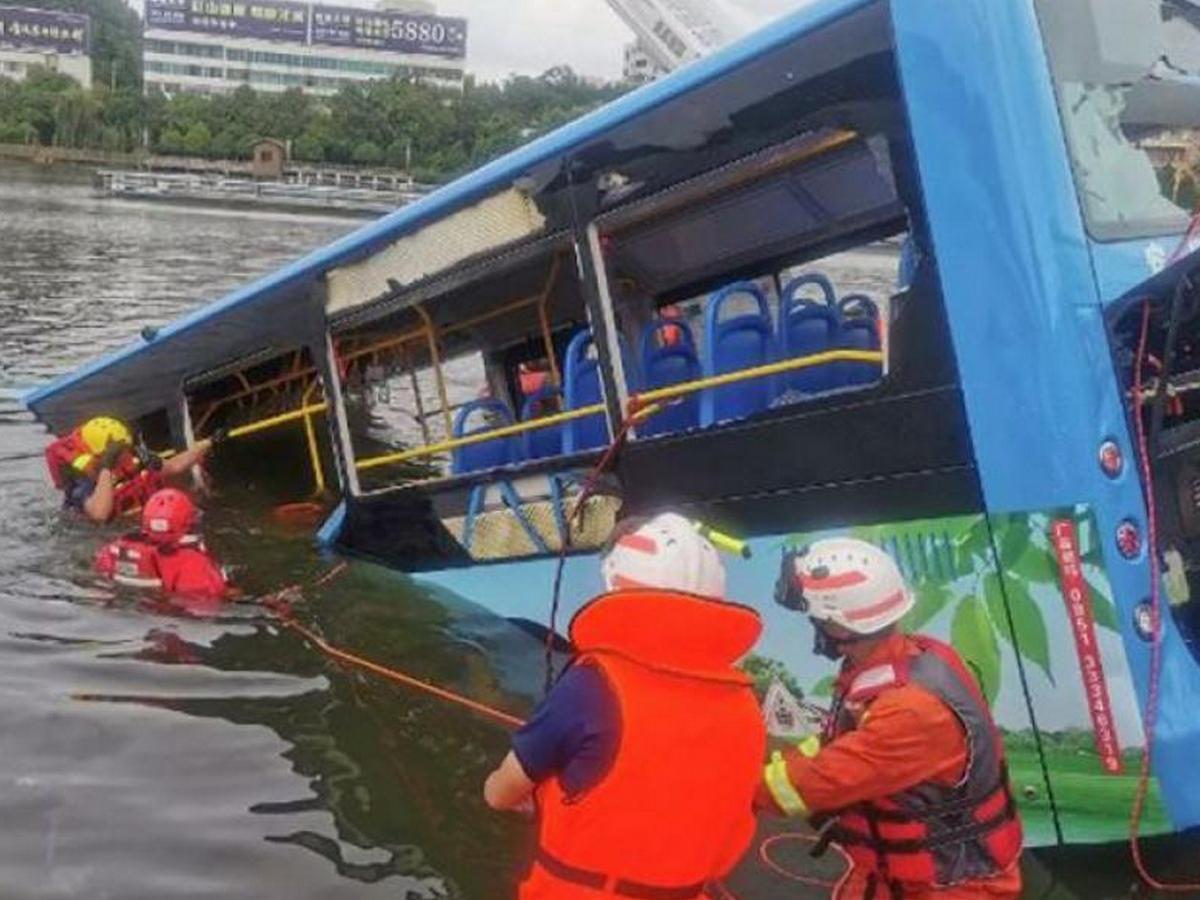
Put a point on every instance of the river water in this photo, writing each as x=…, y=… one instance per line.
x=148, y=754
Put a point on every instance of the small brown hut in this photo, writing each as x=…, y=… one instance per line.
x=269, y=158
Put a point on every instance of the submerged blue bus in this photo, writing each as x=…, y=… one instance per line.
x=913, y=270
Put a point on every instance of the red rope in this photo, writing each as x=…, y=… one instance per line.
x=287, y=620
x=395, y=675
x=764, y=854
x=1152, y=695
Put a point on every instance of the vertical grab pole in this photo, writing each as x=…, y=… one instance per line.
x=310, y=435
x=325, y=357
x=189, y=436
x=544, y=319
x=431, y=336
x=422, y=419
x=604, y=328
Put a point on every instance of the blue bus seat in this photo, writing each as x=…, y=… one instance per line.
x=808, y=279
x=859, y=331
x=545, y=441
x=808, y=327
x=741, y=342
x=581, y=376
x=488, y=454
x=664, y=364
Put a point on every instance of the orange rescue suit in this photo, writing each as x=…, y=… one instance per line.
x=895, y=744
x=675, y=809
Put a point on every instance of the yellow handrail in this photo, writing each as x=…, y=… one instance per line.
x=684, y=388
x=544, y=319
x=481, y=437
x=274, y=421
x=314, y=451
x=642, y=405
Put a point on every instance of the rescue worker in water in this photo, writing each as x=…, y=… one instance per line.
x=102, y=474
x=643, y=761
x=909, y=777
x=167, y=555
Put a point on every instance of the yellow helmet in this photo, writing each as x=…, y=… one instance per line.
x=97, y=432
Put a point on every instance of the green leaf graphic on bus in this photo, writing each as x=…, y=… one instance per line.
x=974, y=636
x=988, y=582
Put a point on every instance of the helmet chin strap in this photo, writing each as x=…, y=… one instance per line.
x=826, y=645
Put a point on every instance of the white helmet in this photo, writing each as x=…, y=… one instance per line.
x=853, y=584
x=664, y=552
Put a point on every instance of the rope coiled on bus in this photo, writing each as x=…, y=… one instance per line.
x=1152, y=694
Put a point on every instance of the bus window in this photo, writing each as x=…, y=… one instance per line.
x=427, y=382
x=1128, y=82
x=276, y=402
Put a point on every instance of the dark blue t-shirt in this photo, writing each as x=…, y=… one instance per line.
x=574, y=733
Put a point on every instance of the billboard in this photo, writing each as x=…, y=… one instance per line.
x=343, y=26
x=44, y=30
x=269, y=20
x=303, y=23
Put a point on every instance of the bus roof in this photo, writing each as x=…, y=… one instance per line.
x=77, y=394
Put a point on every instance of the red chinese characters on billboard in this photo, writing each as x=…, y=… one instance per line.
x=1078, y=598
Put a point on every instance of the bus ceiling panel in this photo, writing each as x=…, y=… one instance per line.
x=715, y=235
x=491, y=225
x=488, y=314
x=841, y=76
x=517, y=268
x=765, y=221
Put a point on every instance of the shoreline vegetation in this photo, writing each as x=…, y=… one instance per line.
x=430, y=133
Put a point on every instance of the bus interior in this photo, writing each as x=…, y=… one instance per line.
x=478, y=402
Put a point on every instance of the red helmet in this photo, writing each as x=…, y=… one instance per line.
x=168, y=516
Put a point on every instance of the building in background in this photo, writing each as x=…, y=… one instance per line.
x=215, y=46
x=640, y=67
x=59, y=41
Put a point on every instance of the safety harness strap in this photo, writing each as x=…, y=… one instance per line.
x=622, y=887
x=883, y=845
x=949, y=807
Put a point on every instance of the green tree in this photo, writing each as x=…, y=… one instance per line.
x=309, y=148
x=198, y=140
x=436, y=132
x=367, y=153
x=116, y=48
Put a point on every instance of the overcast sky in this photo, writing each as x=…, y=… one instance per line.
x=530, y=36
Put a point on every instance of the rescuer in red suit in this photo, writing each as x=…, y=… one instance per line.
x=909, y=776
x=167, y=556
x=103, y=475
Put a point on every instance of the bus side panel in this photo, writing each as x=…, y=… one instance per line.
x=950, y=566
x=1025, y=315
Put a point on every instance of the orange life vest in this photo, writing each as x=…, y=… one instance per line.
x=68, y=457
x=932, y=834
x=674, y=810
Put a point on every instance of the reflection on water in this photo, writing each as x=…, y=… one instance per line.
x=147, y=754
